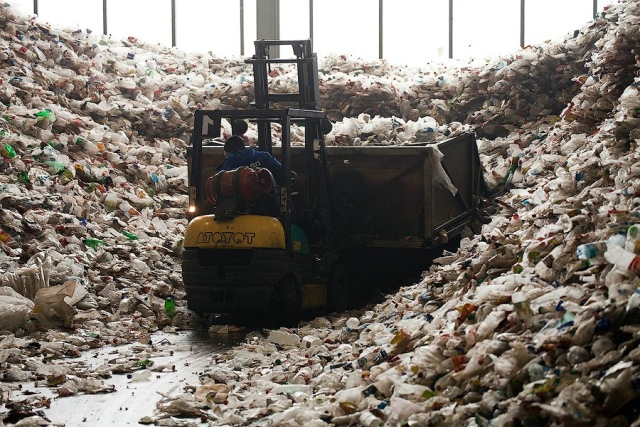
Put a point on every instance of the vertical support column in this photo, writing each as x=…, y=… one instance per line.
x=173, y=23
x=104, y=17
x=241, y=27
x=522, y=6
x=35, y=7
x=380, y=29
x=311, y=21
x=268, y=25
x=450, y=29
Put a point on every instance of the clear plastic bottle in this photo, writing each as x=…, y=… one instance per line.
x=353, y=323
x=597, y=249
x=591, y=250
x=129, y=210
x=634, y=300
x=141, y=375
x=368, y=419
x=623, y=259
x=87, y=145
x=617, y=240
x=284, y=338
x=633, y=238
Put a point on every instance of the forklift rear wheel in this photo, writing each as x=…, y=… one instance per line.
x=338, y=290
x=290, y=300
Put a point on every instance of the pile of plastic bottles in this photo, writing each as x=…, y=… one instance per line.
x=533, y=321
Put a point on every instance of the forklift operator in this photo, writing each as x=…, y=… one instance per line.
x=237, y=155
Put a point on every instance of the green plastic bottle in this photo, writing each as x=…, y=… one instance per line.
x=94, y=243
x=23, y=177
x=8, y=151
x=55, y=167
x=130, y=235
x=46, y=114
x=170, y=307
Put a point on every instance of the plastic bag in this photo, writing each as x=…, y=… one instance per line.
x=15, y=309
x=51, y=304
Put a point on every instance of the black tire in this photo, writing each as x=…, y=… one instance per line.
x=338, y=289
x=290, y=301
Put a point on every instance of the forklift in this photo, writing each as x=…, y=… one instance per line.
x=234, y=260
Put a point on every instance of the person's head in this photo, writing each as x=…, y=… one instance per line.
x=232, y=144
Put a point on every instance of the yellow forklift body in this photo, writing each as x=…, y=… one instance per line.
x=241, y=232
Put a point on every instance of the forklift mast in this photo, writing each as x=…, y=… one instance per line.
x=308, y=95
x=306, y=98
x=307, y=64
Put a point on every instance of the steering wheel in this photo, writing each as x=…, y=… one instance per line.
x=293, y=178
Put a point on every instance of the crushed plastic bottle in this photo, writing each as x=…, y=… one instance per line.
x=140, y=375
x=8, y=240
x=284, y=338
x=87, y=145
x=129, y=210
x=352, y=323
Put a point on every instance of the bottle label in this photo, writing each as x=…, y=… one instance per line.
x=591, y=250
x=634, y=265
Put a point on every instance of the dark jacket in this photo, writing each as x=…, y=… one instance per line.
x=251, y=157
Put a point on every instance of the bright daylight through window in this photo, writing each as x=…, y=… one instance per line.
x=413, y=32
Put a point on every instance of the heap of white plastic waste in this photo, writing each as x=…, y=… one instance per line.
x=534, y=321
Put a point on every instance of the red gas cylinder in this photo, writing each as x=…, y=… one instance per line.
x=243, y=183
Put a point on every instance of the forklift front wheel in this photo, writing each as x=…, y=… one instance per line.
x=290, y=300
x=338, y=290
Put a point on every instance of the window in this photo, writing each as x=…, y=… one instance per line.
x=250, y=26
x=553, y=20
x=485, y=28
x=87, y=14
x=22, y=7
x=424, y=34
x=213, y=26
x=147, y=20
x=346, y=27
x=294, y=20
x=604, y=3
x=414, y=31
